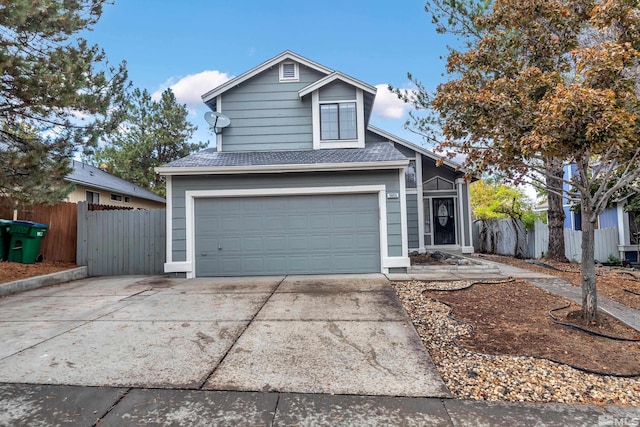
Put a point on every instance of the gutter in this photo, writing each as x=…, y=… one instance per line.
x=319, y=167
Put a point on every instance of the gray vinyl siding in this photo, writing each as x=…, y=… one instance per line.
x=412, y=221
x=337, y=91
x=180, y=184
x=405, y=150
x=374, y=137
x=267, y=114
x=430, y=170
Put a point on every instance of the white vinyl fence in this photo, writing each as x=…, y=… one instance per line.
x=499, y=238
x=606, y=243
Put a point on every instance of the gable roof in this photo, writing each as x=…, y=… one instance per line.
x=286, y=55
x=92, y=176
x=415, y=147
x=336, y=75
x=377, y=155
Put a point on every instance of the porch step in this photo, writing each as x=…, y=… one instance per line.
x=455, y=269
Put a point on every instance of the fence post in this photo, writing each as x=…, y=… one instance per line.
x=82, y=250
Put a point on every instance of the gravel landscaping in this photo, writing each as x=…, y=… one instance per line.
x=477, y=376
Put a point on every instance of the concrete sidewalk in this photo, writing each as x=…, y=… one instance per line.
x=32, y=405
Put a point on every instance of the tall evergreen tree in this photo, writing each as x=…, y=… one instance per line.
x=151, y=134
x=54, y=97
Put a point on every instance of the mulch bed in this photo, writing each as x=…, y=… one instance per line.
x=512, y=318
x=10, y=271
x=611, y=282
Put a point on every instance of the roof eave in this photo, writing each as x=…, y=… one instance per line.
x=115, y=190
x=333, y=77
x=415, y=147
x=317, y=167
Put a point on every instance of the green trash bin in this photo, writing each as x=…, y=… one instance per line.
x=5, y=239
x=26, y=237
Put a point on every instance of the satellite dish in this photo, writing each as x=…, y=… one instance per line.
x=217, y=120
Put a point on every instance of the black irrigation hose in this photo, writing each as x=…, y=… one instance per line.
x=543, y=264
x=631, y=292
x=635, y=278
x=590, y=332
x=473, y=329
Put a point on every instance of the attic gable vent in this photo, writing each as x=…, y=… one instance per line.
x=289, y=72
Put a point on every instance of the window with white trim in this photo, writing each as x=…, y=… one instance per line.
x=289, y=72
x=116, y=197
x=338, y=121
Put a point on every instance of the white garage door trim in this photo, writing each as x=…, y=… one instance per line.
x=188, y=266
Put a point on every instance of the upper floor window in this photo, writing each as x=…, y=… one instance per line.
x=338, y=121
x=289, y=72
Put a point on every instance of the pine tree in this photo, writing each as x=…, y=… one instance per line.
x=55, y=94
x=152, y=133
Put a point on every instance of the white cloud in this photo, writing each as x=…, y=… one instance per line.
x=189, y=89
x=387, y=104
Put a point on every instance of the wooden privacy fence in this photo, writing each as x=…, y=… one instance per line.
x=59, y=243
x=499, y=237
x=121, y=242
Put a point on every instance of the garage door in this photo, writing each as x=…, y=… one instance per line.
x=315, y=234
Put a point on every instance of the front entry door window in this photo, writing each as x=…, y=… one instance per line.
x=444, y=228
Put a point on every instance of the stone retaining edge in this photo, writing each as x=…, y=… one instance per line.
x=41, y=281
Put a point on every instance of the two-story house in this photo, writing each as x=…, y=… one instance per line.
x=300, y=183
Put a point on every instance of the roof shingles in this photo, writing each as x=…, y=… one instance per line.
x=372, y=152
x=94, y=177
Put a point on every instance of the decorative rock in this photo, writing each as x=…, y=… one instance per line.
x=470, y=375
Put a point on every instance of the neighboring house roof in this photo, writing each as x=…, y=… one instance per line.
x=92, y=176
x=374, y=156
x=262, y=67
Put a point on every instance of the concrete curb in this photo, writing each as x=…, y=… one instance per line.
x=41, y=281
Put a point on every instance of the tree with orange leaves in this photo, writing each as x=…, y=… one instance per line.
x=550, y=79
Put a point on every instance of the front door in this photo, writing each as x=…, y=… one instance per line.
x=444, y=228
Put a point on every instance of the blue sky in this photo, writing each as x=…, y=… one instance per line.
x=195, y=45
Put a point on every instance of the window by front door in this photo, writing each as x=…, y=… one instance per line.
x=338, y=121
x=444, y=224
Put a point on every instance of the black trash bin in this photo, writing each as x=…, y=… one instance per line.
x=5, y=238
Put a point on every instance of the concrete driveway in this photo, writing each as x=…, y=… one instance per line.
x=300, y=334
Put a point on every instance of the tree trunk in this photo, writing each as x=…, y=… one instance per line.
x=589, y=291
x=555, y=214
